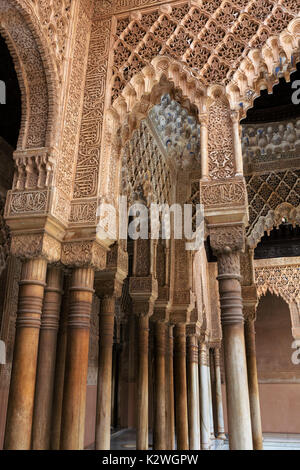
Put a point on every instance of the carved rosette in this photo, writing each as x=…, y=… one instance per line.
x=85, y=253
x=40, y=245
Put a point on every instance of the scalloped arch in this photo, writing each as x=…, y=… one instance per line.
x=145, y=89
x=273, y=219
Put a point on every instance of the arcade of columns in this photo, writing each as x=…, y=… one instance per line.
x=90, y=73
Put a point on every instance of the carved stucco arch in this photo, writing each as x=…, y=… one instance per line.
x=36, y=74
x=272, y=220
x=292, y=306
x=163, y=75
x=263, y=67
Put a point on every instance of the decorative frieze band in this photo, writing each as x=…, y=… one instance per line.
x=225, y=193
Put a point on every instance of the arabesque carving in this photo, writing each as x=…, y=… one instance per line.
x=213, y=47
x=38, y=245
x=284, y=213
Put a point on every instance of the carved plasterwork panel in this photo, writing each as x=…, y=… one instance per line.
x=280, y=280
x=143, y=161
x=220, y=141
x=4, y=238
x=268, y=191
x=54, y=19
x=72, y=117
x=222, y=32
x=88, y=160
x=229, y=193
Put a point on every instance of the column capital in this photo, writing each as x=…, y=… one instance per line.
x=227, y=238
x=193, y=329
x=36, y=245
x=84, y=254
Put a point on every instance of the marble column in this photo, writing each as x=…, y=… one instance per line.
x=22, y=386
x=74, y=400
x=235, y=116
x=253, y=384
x=142, y=392
x=41, y=427
x=238, y=407
x=204, y=398
x=193, y=393
x=170, y=412
x=181, y=386
x=159, y=435
x=60, y=368
x=106, y=336
x=219, y=400
x=211, y=411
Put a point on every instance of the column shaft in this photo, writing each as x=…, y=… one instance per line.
x=238, y=408
x=219, y=400
x=253, y=385
x=211, y=412
x=74, y=400
x=180, y=387
x=46, y=361
x=204, y=398
x=142, y=399
x=170, y=412
x=60, y=369
x=159, y=438
x=193, y=393
x=106, y=336
x=204, y=147
x=21, y=396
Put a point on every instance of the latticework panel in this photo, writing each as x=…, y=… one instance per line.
x=283, y=281
x=267, y=191
x=144, y=166
x=212, y=38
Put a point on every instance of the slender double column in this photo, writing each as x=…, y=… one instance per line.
x=106, y=335
x=143, y=370
x=159, y=438
x=180, y=386
x=204, y=398
x=219, y=400
x=74, y=401
x=193, y=393
x=238, y=407
x=46, y=361
x=21, y=396
x=170, y=415
x=253, y=384
x=61, y=351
